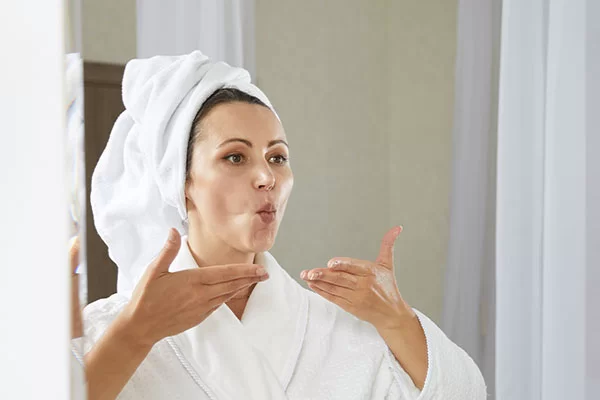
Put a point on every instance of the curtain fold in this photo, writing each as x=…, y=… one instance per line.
x=223, y=30
x=469, y=306
x=523, y=261
x=592, y=85
x=541, y=202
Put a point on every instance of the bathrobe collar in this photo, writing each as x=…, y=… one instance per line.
x=251, y=358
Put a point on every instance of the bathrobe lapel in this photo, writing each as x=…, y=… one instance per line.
x=253, y=358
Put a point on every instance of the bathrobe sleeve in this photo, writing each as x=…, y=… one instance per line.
x=97, y=316
x=451, y=373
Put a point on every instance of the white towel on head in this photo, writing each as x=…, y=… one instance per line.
x=137, y=191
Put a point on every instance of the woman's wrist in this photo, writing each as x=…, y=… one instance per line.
x=115, y=357
x=406, y=339
x=401, y=318
x=131, y=333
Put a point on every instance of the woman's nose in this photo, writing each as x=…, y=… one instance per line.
x=265, y=179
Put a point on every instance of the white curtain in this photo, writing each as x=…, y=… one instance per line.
x=525, y=233
x=592, y=84
x=469, y=309
x=541, y=202
x=223, y=29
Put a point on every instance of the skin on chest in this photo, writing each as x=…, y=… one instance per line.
x=238, y=303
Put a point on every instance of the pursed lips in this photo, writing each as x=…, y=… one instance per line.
x=267, y=213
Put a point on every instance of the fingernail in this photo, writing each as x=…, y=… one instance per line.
x=334, y=263
x=313, y=275
x=171, y=235
x=261, y=271
x=303, y=275
x=264, y=277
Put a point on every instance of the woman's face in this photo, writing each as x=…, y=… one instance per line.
x=240, y=178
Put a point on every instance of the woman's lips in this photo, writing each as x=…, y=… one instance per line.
x=267, y=217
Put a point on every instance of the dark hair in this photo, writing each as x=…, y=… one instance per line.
x=221, y=96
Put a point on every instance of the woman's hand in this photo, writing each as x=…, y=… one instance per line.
x=369, y=291
x=366, y=289
x=165, y=304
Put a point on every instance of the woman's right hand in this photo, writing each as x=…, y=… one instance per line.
x=165, y=303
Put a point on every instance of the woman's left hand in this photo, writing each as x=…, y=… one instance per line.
x=369, y=291
x=366, y=289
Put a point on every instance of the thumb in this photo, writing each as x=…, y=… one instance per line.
x=162, y=262
x=386, y=251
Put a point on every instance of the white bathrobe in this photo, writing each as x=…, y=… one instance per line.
x=290, y=344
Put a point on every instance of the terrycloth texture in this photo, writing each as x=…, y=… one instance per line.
x=290, y=344
x=137, y=191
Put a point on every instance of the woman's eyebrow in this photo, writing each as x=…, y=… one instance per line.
x=249, y=144
x=274, y=142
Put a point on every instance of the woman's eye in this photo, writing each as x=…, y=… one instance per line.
x=279, y=159
x=235, y=158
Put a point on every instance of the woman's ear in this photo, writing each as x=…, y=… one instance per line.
x=186, y=190
x=189, y=203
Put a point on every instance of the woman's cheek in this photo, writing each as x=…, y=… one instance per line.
x=287, y=184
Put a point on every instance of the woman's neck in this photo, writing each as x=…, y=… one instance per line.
x=207, y=252
x=212, y=251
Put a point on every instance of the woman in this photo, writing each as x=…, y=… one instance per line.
x=213, y=316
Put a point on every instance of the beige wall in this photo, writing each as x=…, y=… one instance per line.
x=109, y=30
x=321, y=65
x=422, y=50
x=365, y=92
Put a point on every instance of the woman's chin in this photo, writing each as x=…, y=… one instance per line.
x=263, y=240
x=259, y=236
x=263, y=244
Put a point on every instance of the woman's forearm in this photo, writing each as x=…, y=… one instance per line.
x=113, y=360
x=407, y=342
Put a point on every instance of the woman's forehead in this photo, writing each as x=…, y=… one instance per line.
x=251, y=122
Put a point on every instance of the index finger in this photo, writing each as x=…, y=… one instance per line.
x=350, y=265
x=223, y=273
